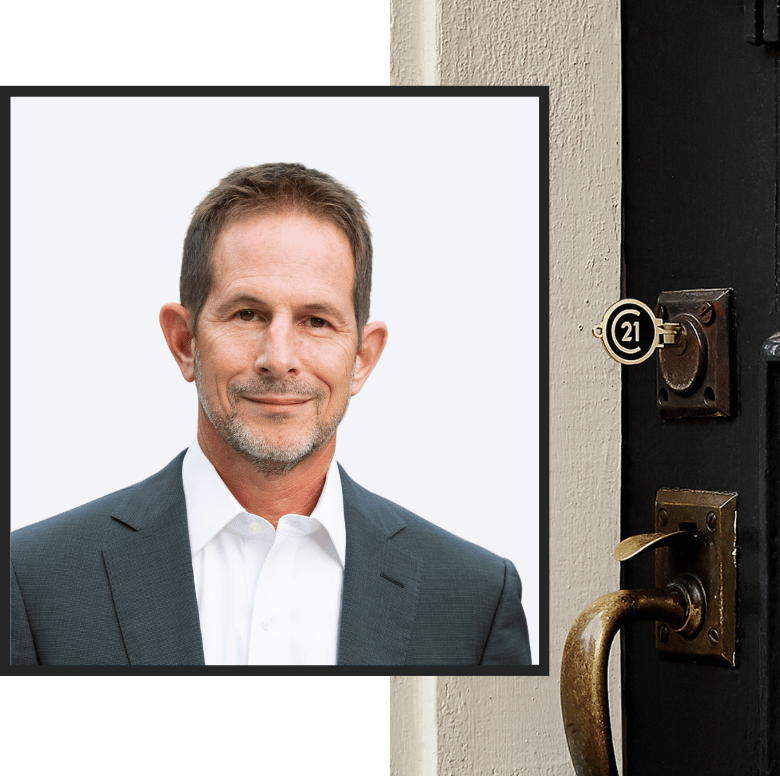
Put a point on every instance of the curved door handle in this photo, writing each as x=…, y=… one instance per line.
x=584, y=700
x=699, y=555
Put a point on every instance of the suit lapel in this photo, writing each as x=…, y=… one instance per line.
x=381, y=583
x=150, y=573
x=152, y=584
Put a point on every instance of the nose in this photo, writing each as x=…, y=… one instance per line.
x=278, y=356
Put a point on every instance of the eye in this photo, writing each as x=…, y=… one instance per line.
x=245, y=315
x=318, y=323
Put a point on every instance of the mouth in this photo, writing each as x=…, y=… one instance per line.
x=278, y=401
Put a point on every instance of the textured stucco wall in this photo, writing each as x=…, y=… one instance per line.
x=407, y=43
x=504, y=726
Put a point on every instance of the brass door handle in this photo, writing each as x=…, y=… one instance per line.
x=694, y=600
x=584, y=700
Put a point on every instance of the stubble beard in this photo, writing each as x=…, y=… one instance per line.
x=266, y=457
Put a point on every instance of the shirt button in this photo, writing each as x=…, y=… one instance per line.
x=266, y=623
x=255, y=527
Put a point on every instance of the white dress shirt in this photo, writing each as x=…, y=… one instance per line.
x=265, y=597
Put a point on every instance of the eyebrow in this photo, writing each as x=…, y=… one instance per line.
x=240, y=299
x=326, y=309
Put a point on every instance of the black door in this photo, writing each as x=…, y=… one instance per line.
x=700, y=197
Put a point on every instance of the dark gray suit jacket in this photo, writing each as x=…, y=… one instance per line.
x=111, y=583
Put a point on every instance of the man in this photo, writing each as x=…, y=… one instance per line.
x=253, y=546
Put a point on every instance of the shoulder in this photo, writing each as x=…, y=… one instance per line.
x=430, y=542
x=468, y=600
x=88, y=523
x=74, y=524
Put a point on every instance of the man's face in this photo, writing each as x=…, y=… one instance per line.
x=277, y=338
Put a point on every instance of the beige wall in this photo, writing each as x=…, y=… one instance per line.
x=506, y=726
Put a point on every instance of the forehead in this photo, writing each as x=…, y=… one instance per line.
x=291, y=248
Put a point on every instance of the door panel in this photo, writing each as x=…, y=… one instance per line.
x=700, y=211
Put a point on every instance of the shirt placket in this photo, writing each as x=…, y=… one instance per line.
x=269, y=642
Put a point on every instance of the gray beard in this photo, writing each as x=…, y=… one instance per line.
x=265, y=457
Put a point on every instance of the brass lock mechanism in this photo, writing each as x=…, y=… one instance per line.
x=691, y=331
x=693, y=605
x=710, y=557
x=693, y=377
x=696, y=542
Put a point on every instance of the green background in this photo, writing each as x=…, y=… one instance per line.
x=206, y=725
x=171, y=42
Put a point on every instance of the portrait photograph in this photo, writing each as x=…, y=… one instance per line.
x=442, y=420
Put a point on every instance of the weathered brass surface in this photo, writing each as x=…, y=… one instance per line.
x=683, y=364
x=694, y=607
x=584, y=699
x=712, y=559
x=636, y=545
x=693, y=375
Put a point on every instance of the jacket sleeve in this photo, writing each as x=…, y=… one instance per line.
x=22, y=646
x=507, y=643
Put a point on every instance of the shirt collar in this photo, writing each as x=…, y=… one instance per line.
x=211, y=505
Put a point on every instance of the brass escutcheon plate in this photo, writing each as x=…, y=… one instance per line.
x=693, y=377
x=712, y=559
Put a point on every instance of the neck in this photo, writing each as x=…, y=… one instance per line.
x=265, y=495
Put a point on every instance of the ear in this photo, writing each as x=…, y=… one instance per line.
x=374, y=341
x=175, y=323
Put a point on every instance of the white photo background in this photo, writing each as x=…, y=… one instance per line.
x=448, y=423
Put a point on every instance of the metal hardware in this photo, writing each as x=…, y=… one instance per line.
x=694, y=606
x=584, y=697
x=693, y=377
x=691, y=331
x=631, y=333
x=710, y=557
x=636, y=545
